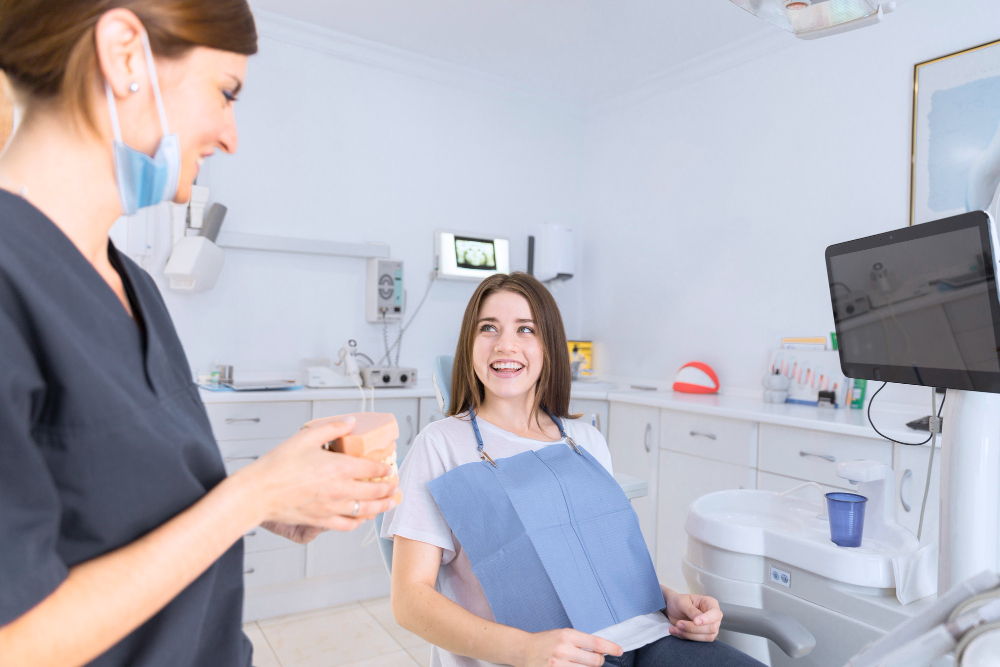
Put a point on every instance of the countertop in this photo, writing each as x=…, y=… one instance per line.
x=890, y=418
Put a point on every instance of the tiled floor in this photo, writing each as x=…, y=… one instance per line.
x=362, y=634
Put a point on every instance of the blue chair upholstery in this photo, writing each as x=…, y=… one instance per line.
x=442, y=380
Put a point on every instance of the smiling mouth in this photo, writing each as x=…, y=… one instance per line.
x=506, y=369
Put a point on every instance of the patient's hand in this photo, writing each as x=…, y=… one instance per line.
x=567, y=648
x=695, y=617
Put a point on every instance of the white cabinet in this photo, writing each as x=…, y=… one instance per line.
x=281, y=566
x=280, y=576
x=910, y=465
x=633, y=436
x=336, y=552
x=594, y=412
x=684, y=479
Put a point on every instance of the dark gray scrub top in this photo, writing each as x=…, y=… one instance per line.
x=103, y=437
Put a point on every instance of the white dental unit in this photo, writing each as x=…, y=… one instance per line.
x=929, y=315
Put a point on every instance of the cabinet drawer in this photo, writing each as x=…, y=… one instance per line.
x=244, y=452
x=716, y=438
x=814, y=455
x=274, y=567
x=253, y=421
x=261, y=539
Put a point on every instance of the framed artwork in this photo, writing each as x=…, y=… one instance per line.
x=955, y=160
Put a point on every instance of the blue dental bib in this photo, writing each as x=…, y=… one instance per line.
x=552, y=539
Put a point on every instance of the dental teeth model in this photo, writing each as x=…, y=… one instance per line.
x=374, y=438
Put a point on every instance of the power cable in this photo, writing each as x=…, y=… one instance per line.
x=403, y=328
x=935, y=429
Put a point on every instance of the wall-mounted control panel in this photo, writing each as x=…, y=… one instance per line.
x=385, y=290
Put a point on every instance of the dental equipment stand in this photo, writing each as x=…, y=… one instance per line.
x=970, y=487
x=969, y=556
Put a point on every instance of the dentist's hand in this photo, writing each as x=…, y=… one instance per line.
x=300, y=489
x=695, y=617
x=567, y=648
x=298, y=534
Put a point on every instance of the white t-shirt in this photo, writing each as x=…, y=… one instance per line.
x=449, y=443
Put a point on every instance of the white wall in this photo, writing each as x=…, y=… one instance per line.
x=712, y=204
x=332, y=148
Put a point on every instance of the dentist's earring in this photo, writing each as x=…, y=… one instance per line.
x=133, y=87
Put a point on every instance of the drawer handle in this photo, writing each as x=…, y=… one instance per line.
x=906, y=475
x=233, y=420
x=646, y=437
x=230, y=459
x=250, y=571
x=825, y=457
x=250, y=534
x=409, y=422
x=699, y=434
x=597, y=421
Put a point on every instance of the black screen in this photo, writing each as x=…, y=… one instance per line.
x=919, y=305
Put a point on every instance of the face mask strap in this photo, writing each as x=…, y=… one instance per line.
x=155, y=81
x=114, y=111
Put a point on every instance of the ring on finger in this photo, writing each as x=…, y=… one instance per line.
x=357, y=508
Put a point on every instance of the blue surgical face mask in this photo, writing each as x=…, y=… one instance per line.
x=142, y=180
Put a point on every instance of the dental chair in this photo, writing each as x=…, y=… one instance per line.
x=785, y=632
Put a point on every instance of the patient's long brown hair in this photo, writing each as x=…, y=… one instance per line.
x=553, y=388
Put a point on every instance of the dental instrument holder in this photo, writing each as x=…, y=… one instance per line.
x=877, y=483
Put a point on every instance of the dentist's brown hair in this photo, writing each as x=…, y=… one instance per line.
x=552, y=390
x=48, y=49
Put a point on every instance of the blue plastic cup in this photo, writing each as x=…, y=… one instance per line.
x=847, y=518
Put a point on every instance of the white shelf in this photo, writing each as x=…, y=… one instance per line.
x=263, y=242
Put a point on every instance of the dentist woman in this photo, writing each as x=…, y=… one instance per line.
x=119, y=531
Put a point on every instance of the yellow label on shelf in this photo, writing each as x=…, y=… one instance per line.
x=582, y=351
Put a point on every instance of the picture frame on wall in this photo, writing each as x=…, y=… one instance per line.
x=955, y=156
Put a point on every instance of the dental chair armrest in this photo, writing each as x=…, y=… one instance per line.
x=788, y=634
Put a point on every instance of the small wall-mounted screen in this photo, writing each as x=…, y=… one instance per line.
x=919, y=305
x=475, y=254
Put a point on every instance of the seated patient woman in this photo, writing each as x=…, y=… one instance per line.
x=510, y=395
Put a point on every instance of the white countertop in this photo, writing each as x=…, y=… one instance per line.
x=306, y=394
x=890, y=418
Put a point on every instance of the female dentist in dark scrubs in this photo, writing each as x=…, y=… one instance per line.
x=119, y=530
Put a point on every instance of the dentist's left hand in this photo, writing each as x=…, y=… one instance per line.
x=296, y=533
x=694, y=617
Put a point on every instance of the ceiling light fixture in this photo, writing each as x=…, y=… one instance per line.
x=811, y=19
